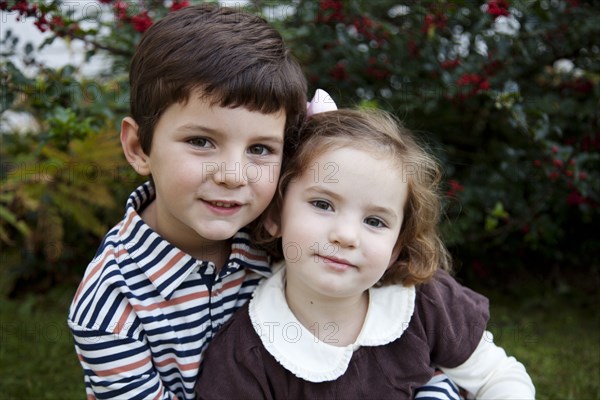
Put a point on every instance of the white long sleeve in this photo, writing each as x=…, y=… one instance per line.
x=490, y=374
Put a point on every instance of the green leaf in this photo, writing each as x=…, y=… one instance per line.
x=490, y=223
x=499, y=211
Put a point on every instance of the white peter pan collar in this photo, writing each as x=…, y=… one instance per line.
x=302, y=353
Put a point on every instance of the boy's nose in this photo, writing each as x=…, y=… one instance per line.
x=231, y=174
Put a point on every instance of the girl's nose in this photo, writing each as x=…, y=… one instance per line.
x=344, y=234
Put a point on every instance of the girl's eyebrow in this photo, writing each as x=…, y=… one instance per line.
x=388, y=213
x=323, y=190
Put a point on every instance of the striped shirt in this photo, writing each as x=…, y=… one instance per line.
x=145, y=311
x=440, y=387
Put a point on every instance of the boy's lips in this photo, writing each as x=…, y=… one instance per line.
x=225, y=207
x=226, y=204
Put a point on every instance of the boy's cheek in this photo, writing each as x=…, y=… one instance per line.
x=273, y=170
x=267, y=173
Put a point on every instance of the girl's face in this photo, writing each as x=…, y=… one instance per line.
x=340, y=222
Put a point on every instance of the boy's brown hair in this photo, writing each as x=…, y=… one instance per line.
x=230, y=57
x=422, y=250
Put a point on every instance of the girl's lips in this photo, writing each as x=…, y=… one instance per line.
x=339, y=264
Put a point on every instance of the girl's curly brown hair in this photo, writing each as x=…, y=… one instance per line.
x=376, y=131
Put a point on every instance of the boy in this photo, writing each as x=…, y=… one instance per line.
x=213, y=94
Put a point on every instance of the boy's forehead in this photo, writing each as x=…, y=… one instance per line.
x=218, y=100
x=199, y=115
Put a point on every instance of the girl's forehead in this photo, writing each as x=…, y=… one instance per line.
x=349, y=161
x=375, y=150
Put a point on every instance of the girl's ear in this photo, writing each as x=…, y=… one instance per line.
x=271, y=224
x=130, y=141
x=395, y=252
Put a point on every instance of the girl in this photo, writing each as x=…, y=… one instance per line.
x=364, y=307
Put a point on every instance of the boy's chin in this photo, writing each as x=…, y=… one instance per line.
x=219, y=233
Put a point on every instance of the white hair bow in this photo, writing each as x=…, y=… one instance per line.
x=321, y=102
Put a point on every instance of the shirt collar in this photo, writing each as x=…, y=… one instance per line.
x=165, y=265
x=300, y=352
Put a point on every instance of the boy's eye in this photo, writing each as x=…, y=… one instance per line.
x=321, y=204
x=375, y=222
x=259, y=150
x=199, y=142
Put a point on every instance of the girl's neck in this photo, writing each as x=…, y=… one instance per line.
x=335, y=321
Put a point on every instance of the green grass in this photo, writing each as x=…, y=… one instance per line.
x=556, y=339
x=37, y=357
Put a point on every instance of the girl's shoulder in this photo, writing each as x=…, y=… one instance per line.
x=444, y=290
x=450, y=317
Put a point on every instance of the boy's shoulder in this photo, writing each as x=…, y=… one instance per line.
x=111, y=269
x=103, y=276
x=127, y=233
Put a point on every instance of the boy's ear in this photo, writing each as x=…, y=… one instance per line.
x=130, y=141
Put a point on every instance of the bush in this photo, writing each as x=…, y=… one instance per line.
x=504, y=92
x=60, y=183
x=64, y=179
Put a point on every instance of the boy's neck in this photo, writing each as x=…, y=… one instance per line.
x=337, y=322
x=214, y=251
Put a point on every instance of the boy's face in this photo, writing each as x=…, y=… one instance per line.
x=215, y=170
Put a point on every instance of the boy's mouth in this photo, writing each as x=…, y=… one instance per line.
x=223, y=207
x=223, y=204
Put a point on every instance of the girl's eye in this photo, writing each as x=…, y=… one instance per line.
x=259, y=150
x=375, y=222
x=321, y=205
x=199, y=142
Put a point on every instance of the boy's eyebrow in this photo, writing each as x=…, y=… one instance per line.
x=195, y=128
x=266, y=138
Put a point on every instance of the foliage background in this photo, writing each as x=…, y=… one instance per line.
x=506, y=93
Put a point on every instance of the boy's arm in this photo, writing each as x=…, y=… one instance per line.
x=439, y=387
x=490, y=373
x=116, y=366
